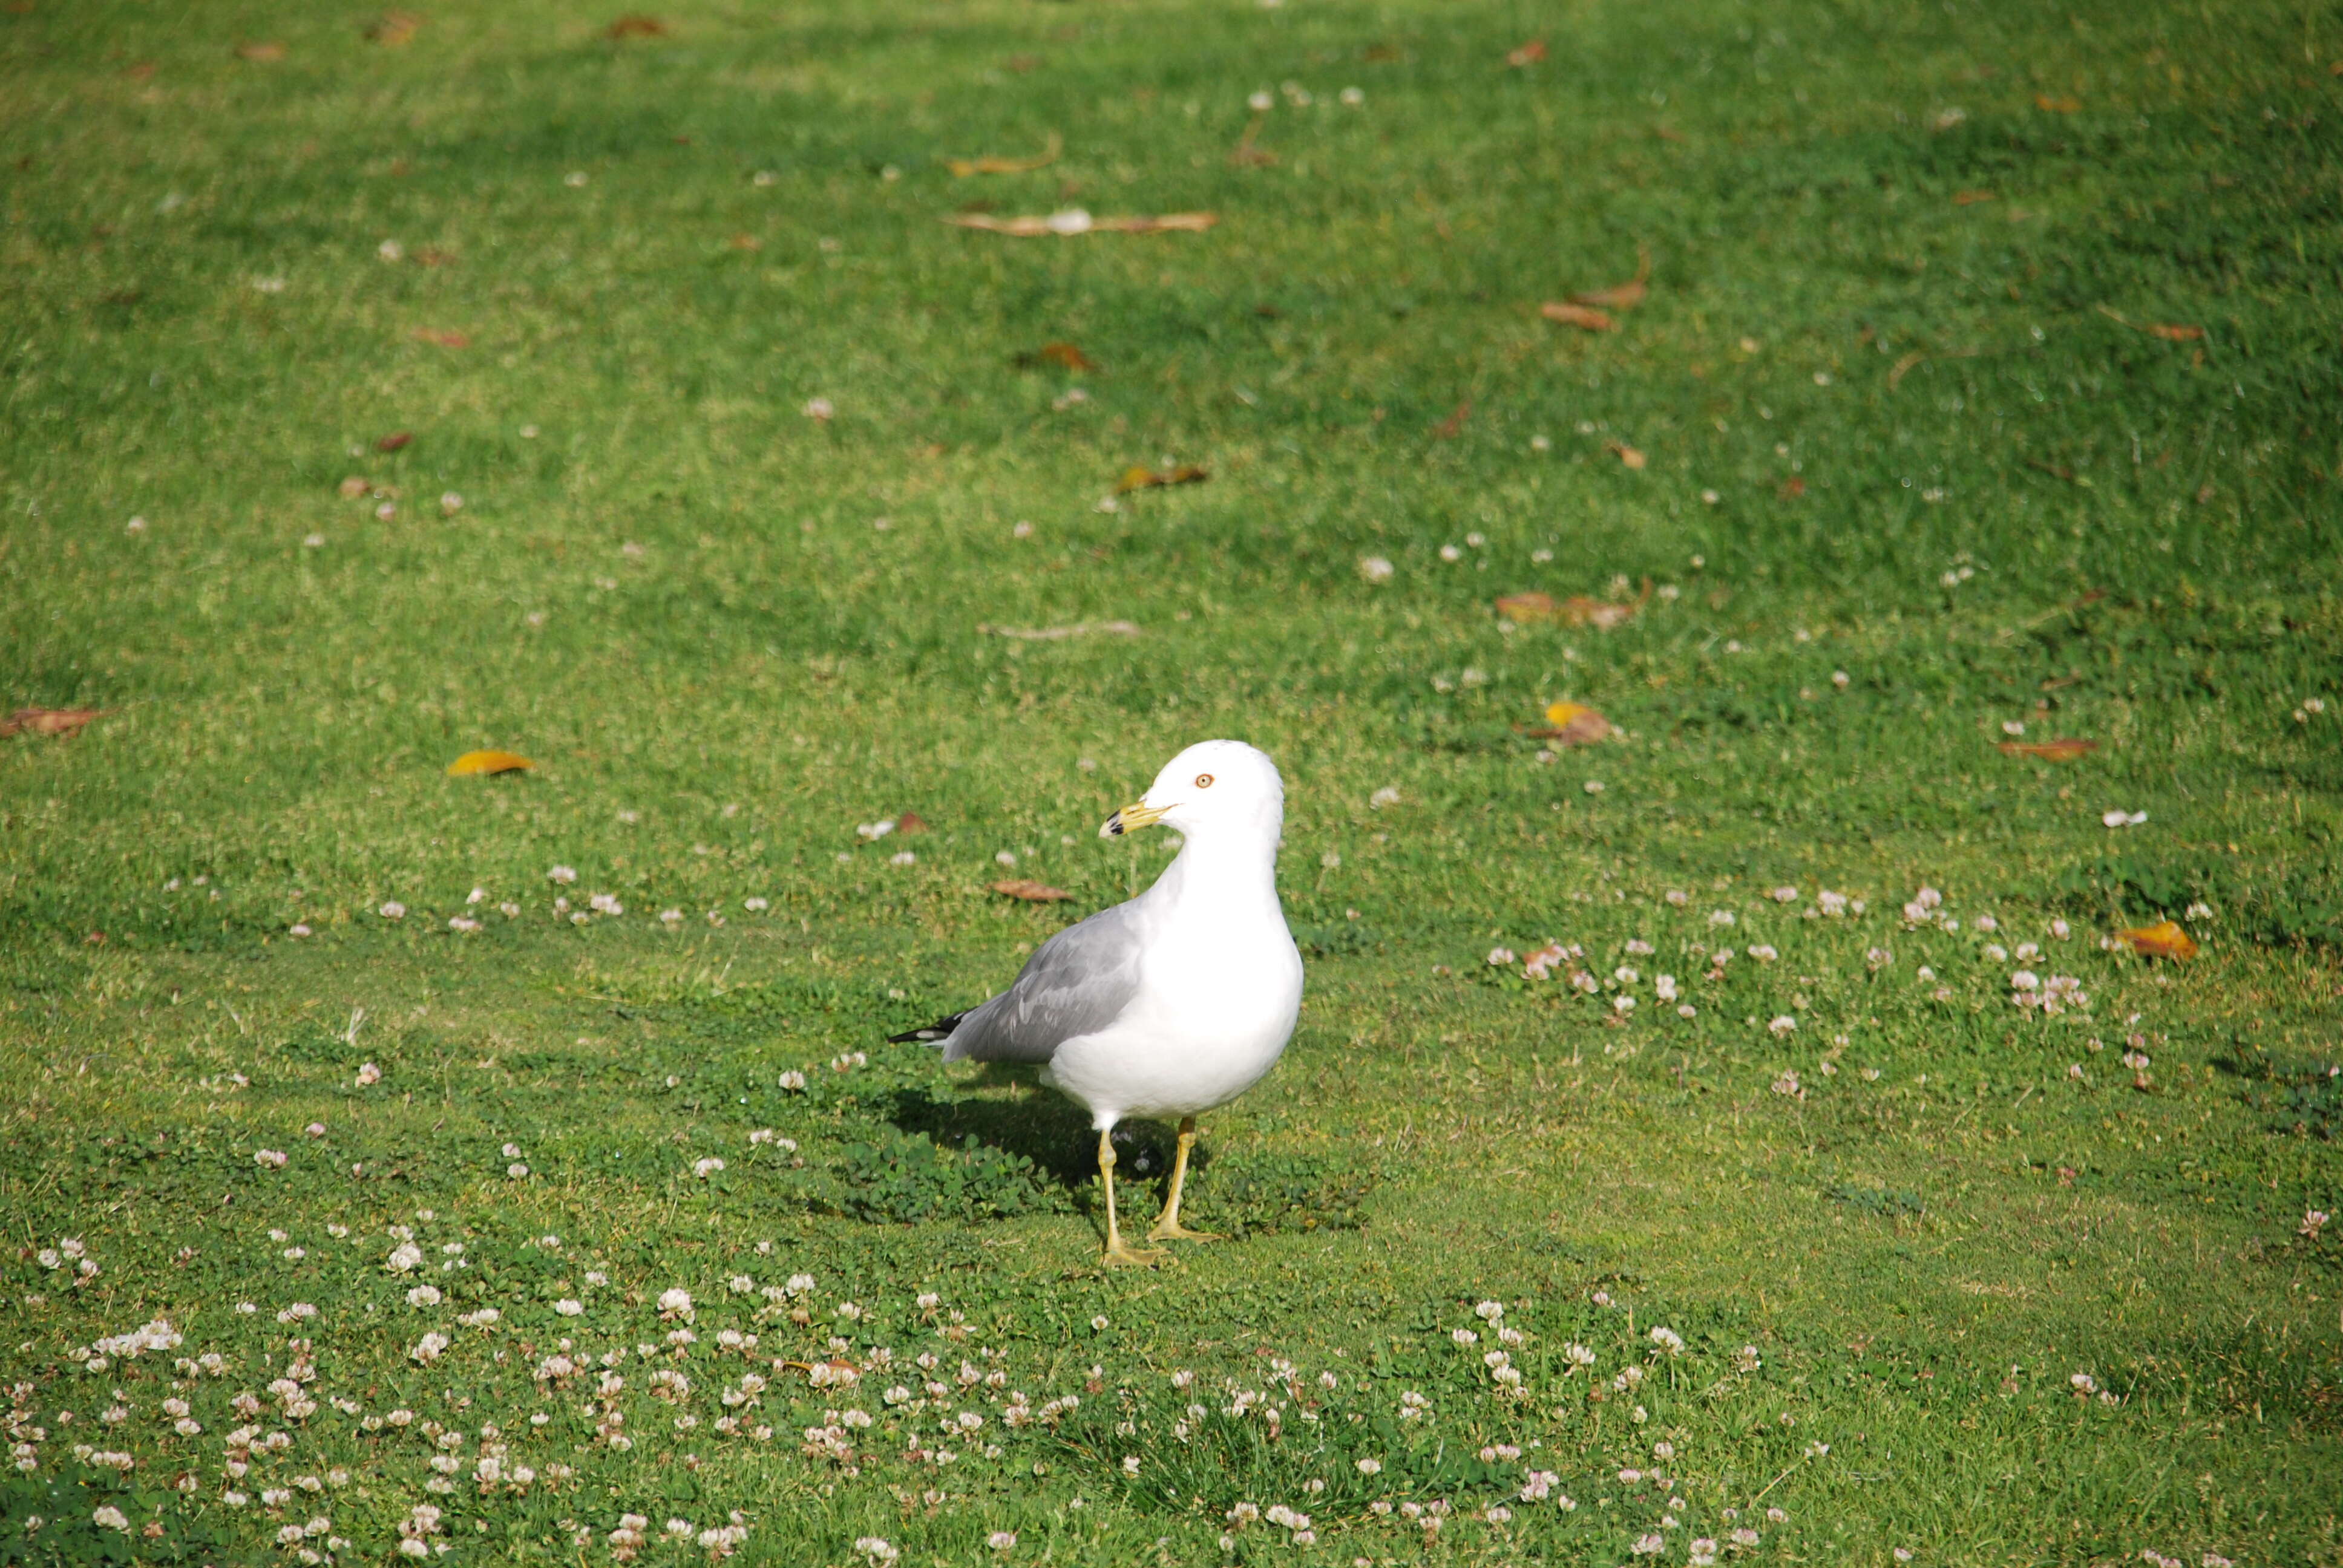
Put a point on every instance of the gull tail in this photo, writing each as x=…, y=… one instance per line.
x=931, y=1034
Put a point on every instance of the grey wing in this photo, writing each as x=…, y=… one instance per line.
x=1076, y=983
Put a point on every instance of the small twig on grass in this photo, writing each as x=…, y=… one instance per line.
x=1056, y=633
x=1774, y=1483
x=1904, y=366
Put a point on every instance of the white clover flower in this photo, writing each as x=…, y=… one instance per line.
x=1375, y=569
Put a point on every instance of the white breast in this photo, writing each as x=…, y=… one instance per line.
x=1218, y=1000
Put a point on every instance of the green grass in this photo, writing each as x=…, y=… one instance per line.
x=1916, y=469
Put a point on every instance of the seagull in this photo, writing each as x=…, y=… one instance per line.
x=1172, y=1004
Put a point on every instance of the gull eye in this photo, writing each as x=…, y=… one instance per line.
x=1203, y=780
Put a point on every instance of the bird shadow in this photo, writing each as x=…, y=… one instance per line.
x=1042, y=1129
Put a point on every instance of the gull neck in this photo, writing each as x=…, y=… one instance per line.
x=1227, y=864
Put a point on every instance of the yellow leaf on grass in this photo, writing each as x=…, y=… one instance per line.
x=472, y=763
x=2049, y=105
x=1032, y=891
x=1630, y=455
x=2064, y=749
x=1576, y=610
x=262, y=50
x=1573, y=724
x=2164, y=939
x=1138, y=478
x=999, y=165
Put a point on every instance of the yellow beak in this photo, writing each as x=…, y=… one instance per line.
x=1130, y=819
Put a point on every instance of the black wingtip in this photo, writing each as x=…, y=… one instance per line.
x=928, y=1034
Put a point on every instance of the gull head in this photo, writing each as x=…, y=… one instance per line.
x=1213, y=787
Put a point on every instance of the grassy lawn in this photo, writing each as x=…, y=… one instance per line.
x=373, y=389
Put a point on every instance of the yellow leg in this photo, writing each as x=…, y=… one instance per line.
x=1117, y=1255
x=1168, y=1227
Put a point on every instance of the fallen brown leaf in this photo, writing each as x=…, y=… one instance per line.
x=747, y=241
x=64, y=721
x=2164, y=939
x=1022, y=64
x=1032, y=891
x=394, y=441
x=1970, y=198
x=2064, y=749
x=1529, y=54
x=2057, y=105
x=1630, y=455
x=474, y=763
x=1139, y=479
x=1448, y=428
x=999, y=166
x=393, y=28
x=1576, y=610
x=2165, y=330
x=353, y=487
x=263, y=50
x=143, y=71
x=432, y=255
x=442, y=336
x=1585, y=317
x=1573, y=724
x=1792, y=488
x=1075, y=221
x=1620, y=295
x=635, y=25
x=911, y=822
x=1065, y=355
